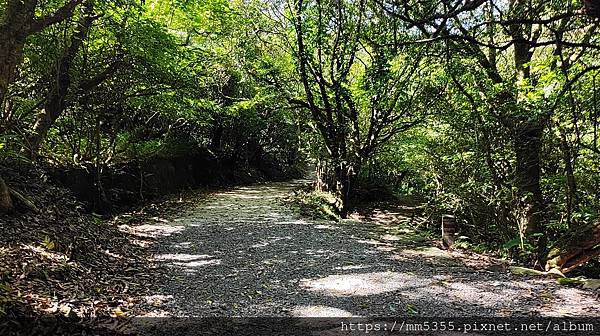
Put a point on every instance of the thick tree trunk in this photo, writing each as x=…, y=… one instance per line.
x=16, y=24
x=14, y=28
x=575, y=248
x=344, y=180
x=10, y=57
x=6, y=204
x=527, y=148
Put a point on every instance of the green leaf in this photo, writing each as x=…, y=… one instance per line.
x=512, y=243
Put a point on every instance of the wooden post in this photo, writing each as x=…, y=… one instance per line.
x=449, y=230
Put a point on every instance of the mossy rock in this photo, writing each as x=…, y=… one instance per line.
x=585, y=283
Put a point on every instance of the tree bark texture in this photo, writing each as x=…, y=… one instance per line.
x=528, y=145
x=14, y=29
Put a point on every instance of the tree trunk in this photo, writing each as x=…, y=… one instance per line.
x=571, y=186
x=344, y=180
x=6, y=204
x=55, y=100
x=527, y=148
x=217, y=136
x=592, y=8
x=574, y=249
x=14, y=27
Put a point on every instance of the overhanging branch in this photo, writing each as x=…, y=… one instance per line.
x=59, y=15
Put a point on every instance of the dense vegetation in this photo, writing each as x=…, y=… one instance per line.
x=484, y=109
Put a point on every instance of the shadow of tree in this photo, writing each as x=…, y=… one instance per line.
x=271, y=263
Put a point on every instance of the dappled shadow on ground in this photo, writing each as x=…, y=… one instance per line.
x=62, y=262
x=243, y=253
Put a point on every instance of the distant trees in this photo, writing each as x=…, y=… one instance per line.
x=89, y=82
x=487, y=109
x=358, y=89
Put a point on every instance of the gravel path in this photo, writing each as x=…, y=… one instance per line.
x=245, y=253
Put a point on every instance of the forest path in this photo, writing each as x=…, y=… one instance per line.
x=244, y=252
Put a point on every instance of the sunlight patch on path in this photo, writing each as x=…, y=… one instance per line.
x=182, y=257
x=249, y=254
x=319, y=311
x=462, y=292
x=183, y=245
x=428, y=252
x=153, y=230
x=325, y=227
x=362, y=284
x=190, y=262
x=568, y=302
x=351, y=267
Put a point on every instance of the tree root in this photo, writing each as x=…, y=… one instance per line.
x=6, y=204
x=528, y=271
x=23, y=200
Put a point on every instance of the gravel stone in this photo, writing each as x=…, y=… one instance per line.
x=244, y=252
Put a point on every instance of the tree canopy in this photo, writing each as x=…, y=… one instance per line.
x=485, y=109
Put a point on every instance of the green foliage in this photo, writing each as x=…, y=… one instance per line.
x=158, y=79
x=47, y=243
x=427, y=110
x=318, y=204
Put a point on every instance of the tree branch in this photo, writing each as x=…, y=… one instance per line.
x=59, y=15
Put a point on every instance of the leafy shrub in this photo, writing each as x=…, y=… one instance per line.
x=318, y=204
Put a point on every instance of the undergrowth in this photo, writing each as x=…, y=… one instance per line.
x=317, y=204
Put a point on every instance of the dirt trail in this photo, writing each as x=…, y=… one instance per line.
x=245, y=253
